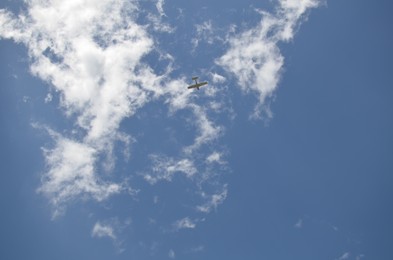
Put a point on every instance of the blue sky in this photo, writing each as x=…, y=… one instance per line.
x=286, y=154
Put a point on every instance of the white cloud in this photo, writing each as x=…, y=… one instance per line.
x=157, y=23
x=205, y=33
x=164, y=168
x=160, y=7
x=206, y=128
x=72, y=175
x=103, y=230
x=254, y=57
x=213, y=200
x=334, y=227
x=26, y=99
x=215, y=157
x=48, y=98
x=112, y=229
x=344, y=256
x=184, y=223
x=217, y=78
x=171, y=254
x=90, y=52
x=197, y=249
x=299, y=224
x=86, y=50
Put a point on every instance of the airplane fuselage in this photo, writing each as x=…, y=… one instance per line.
x=197, y=85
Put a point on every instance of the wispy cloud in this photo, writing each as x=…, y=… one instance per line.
x=71, y=174
x=160, y=7
x=212, y=201
x=101, y=230
x=197, y=249
x=205, y=32
x=111, y=229
x=344, y=256
x=171, y=254
x=207, y=130
x=164, y=168
x=184, y=223
x=157, y=21
x=299, y=224
x=215, y=157
x=254, y=57
x=217, y=78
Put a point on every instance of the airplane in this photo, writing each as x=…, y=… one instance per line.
x=197, y=85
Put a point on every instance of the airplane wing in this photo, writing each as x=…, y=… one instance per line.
x=197, y=85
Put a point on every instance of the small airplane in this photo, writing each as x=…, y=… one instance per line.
x=197, y=85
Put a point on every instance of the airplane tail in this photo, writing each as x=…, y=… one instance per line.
x=194, y=78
